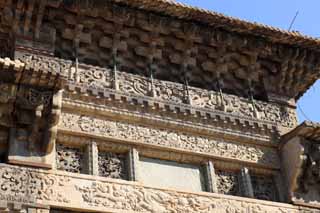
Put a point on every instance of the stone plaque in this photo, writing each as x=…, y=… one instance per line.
x=169, y=174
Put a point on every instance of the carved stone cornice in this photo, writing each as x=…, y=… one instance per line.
x=125, y=112
x=92, y=193
x=97, y=81
x=179, y=141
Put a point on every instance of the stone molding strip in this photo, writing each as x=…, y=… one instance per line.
x=92, y=193
x=213, y=128
x=169, y=139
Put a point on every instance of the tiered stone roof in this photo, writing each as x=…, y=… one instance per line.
x=214, y=19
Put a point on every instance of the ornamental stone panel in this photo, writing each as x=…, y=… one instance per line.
x=168, y=138
x=69, y=190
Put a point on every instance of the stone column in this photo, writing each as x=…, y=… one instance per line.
x=132, y=164
x=91, y=159
x=245, y=183
x=210, y=177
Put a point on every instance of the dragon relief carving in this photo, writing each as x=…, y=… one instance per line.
x=18, y=185
x=168, y=138
x=140, y=199
x=34, y=186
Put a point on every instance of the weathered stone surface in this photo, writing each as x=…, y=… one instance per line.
x=264, y=188
x=112, y=165
x=167, y=138
x=227, y=182
x=201, y=95
x=170, y=174
x=69, y=159
x=99, y=78
x=300, y=151
x=99, y=194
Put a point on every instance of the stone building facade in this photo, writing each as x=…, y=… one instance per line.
x=152, y=106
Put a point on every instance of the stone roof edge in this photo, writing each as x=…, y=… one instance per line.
x=183, y=11
x=302, y=130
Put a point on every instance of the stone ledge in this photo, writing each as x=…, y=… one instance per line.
x=91, y=193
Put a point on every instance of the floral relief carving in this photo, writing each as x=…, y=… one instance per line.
x=227, y=182
x=68, y=158
x=168, y=91
x=112, y=165
x=133, y=84
x=95, y=78
x=169, y=138
x=45, y=63
x=20, y=184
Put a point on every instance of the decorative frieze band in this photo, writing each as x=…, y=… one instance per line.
x=169, y=139
x=99, y=82
x=33, y=186
x=219, y=127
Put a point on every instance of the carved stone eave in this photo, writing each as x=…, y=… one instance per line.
x=271, y=60
x=299, y=155
x=272, y=66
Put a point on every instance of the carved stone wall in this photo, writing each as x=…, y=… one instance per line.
x=168, y=139
x=112, y=165
x=102, y=195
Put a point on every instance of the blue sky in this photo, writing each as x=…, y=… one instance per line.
x=278, y=13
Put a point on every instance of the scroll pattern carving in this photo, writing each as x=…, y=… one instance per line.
x=139, y=199
x=227, y=183
x=263, y=188
x=20, y=184
x=168, y=138
x=68, y=158
x=36, y=186
x=96, y=77
x=112, y=165
x=47, y=63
